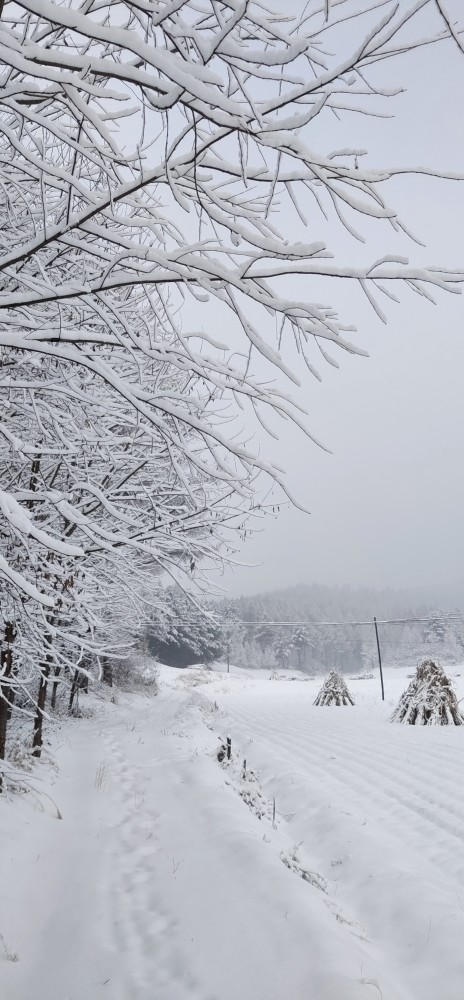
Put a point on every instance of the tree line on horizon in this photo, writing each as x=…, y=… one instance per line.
x=227, y=630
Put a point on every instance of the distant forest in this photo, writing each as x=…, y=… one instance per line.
x=227, y=630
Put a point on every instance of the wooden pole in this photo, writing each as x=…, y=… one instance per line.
x=380, y=658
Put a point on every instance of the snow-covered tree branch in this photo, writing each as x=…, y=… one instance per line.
x=158, y=178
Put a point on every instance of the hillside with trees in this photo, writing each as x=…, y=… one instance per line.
x=282, y=628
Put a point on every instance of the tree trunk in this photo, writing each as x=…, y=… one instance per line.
x=107, y=672
x=55, y=688
x=73, y=692
x=37, y=738
x=5, y=685
x=80, y=681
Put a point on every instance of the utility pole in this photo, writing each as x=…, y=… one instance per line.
x=380, y=658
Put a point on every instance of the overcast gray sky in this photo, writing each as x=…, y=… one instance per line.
x=387, y=506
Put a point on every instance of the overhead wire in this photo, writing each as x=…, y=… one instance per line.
x=457, y=616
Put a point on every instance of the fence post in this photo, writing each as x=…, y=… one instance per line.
x=380, y=658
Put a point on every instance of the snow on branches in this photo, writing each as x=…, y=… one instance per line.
x=157, y=179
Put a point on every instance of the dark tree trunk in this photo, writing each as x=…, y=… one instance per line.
x=80, y=681
x=37, y=739
x=107, y=672
x=55, y=688
x=6, y=692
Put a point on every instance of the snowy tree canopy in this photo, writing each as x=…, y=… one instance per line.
x=145, y=151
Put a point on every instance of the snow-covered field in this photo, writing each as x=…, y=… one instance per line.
x=330, y=867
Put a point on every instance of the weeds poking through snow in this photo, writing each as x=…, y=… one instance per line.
x=12, y=780
x=10, y=955
x=292, y=861
x=20, y=755
x=246, y=783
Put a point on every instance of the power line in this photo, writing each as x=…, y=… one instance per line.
x=458, y=616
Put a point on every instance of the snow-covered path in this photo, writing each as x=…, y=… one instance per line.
x=159, y=883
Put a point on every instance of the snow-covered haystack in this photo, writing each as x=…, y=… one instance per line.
x=334, y=691
x=429, y=700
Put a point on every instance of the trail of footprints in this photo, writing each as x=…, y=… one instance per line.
x=144, y=933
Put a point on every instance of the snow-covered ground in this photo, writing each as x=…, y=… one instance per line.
x=330, y=867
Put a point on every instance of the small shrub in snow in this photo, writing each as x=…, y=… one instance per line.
x=334, y=691
x=137, y=672
x=429, y=700
x=275, y=676
x=20, y=755
x=194, y=678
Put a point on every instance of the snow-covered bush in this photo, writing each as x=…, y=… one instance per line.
x=137, y=671
x=334, y=691
x=429, y=700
